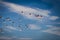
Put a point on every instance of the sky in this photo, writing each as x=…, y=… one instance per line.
x=29, y=19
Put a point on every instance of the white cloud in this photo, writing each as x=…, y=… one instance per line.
x=30, y=26
x=11, y=28
x=26, y=10
x=11, y=38
x=33, y=27
x=53, y=30
x=25, y=38
x=49, y=26
x=4, y=37
x=53, y=17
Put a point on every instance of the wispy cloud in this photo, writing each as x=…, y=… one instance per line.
x=11, y=38
x=49, y=26
x=11, y=28
x=54, y=17
x=4, y=37
x=25, y=38
x=53, y=30
x=34, y=27
x=25, y=11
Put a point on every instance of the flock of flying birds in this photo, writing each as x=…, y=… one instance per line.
x=8, y=19
x=36, y=15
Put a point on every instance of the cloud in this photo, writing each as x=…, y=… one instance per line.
x=11, y=28
x=4, y=37
x=54, y=17
x=12, y=38
x=49, y=26
x=25, y=11
x=55, y=23
x=34, y=27
x=53, y=30
x=25, y=38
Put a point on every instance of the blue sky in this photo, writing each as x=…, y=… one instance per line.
x=30, y=19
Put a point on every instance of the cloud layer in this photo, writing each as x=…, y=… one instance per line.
x=25, y=11
x=14, y=38
x=31, y=13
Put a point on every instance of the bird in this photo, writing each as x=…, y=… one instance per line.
x=1, y=30
x=39, y=16
x=26, y=26
x=19, y=26
x=21, y=11
x=36, y=15
x=29, y=13
x=13, y=22
x=8, y=19
x=4, y=20
x=0, y=16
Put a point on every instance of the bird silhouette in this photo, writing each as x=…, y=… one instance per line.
x=0, y=16
x=1, y=30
